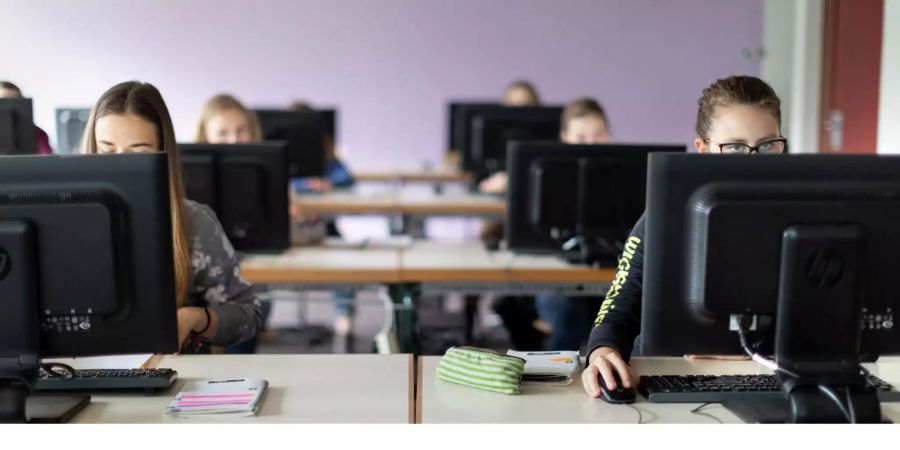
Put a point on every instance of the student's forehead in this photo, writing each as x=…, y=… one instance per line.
x=739, y=121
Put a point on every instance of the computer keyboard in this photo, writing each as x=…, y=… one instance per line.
x=727, y=388
x=148, y=380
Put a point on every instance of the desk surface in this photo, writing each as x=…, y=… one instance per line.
x=442, y=262
x=302, y=389
x=422, y=204
x=442, y=402
x=326, y=263
x=437, y=176
x=421, y=262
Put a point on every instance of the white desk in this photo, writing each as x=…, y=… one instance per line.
x=302, y=389
x=442, y=402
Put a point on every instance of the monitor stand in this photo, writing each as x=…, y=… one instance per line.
x=20, y=334
x=18, y=406
x=768, y=411
x=817, y=333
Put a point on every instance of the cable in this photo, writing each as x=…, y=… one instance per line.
x=850, y=407
x=640, y=415
x=833, y=396
x=758, y=358
x=697, y=412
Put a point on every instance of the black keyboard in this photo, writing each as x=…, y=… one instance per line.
x=148, y=380
x=727, y=388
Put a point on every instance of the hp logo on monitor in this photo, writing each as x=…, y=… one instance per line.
x=5, y=263
x=825, y=268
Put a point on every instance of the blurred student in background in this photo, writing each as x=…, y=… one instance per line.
x=567, y=321
x=336, y=176
x=10, y=90
x=225, y=120
x=521, y=93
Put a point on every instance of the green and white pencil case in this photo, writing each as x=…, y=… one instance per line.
x=481, y=369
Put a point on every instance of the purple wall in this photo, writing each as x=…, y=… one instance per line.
x=389, y=65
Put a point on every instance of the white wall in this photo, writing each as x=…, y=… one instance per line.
x=792, y=64
x=889, y=95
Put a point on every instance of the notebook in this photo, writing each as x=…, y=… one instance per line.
x=550, y=367
x=240, y=397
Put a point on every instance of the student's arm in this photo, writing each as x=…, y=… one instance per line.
x=235, y=311
x=619, y=321
x=339, y=175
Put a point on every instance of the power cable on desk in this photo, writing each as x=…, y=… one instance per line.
x=700, y=413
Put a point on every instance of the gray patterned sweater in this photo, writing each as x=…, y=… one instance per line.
x=216, y=280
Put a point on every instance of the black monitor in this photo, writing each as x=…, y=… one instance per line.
x=309, y=135
x=86, y=267
x=458, y=117
x=70, y=125
x=493, y=130
x=577, y=200
x=803, y=248
x=247, y=187
x=18, y=135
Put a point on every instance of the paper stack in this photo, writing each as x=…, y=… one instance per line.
x=236, y=398
x=552, y=367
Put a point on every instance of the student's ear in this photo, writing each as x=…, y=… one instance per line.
x=700, y=146
x=562, y=137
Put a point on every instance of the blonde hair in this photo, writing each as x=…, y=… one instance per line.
x=527, y=86
x=583, y=107
x=224, y=102
x=145, y=101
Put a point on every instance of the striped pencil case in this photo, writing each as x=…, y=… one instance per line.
x=481, y=369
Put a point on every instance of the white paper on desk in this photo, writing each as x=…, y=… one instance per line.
x=390, y=243
x=234, y=397
x=105, y=362
x=549, y=363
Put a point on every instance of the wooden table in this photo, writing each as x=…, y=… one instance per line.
x=328, y=263
x=439, y=401
x=402, y=204
x=423, y=266
x=437, y=176
x=302, y=389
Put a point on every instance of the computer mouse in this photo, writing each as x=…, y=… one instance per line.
x=618, y=395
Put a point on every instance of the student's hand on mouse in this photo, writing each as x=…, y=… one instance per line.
x=494, y=184
x=190, y=319
x=603, y=363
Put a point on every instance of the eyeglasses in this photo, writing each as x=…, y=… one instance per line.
x=772, y=146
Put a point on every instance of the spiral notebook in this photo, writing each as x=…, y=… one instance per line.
x=240, y=397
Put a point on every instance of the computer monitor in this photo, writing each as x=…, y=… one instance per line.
x=247, y=186
x=801, y=247
x=309, y=135
x=17, y=132
x=576, y=200
x=70, y=125
x=458, y=114
x=86, y=267
x=493, y=130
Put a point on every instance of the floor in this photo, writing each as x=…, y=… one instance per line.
x=305, y=325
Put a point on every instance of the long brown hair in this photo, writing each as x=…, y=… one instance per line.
x=224, y=102
x=145, y=101
x=735, y=90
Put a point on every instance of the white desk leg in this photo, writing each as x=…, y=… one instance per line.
x=386, y=339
